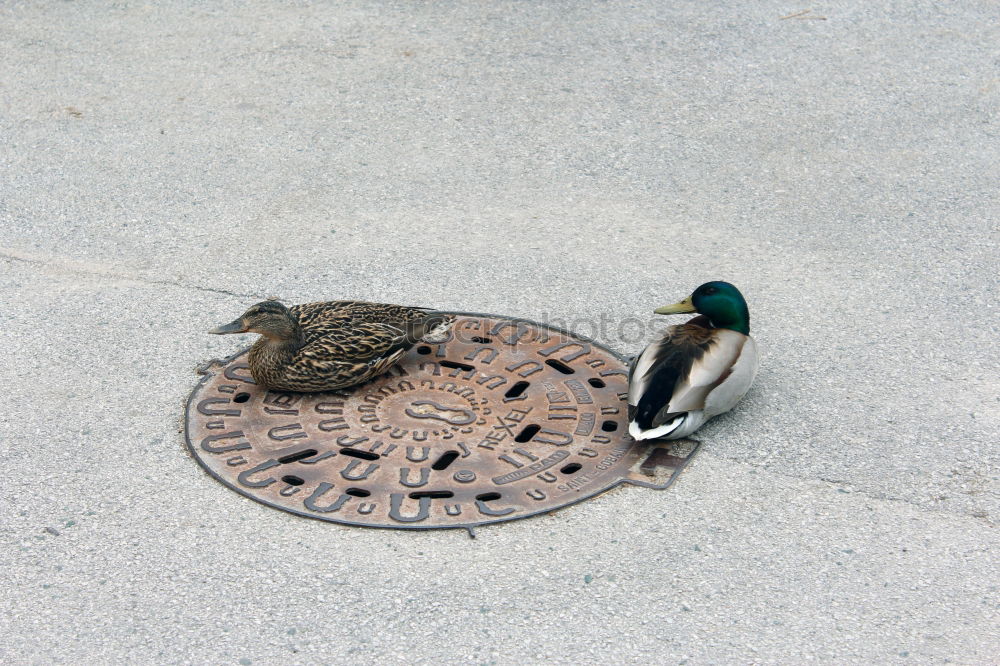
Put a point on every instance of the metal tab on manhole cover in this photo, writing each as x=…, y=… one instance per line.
x=508, y=419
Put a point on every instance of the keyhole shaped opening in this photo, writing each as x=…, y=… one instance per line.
x=354, y=453
x=456, y=365
x=295, y=457
x=560, y=366
x=447, y=458
x=528, y=432
x=432, y=494
x=517, y=389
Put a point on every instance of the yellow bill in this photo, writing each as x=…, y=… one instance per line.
x=683, y=307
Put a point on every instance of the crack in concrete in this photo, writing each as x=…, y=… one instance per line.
x=857, y=489
x=75, y=267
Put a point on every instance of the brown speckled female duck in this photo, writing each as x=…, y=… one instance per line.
x=331, y=345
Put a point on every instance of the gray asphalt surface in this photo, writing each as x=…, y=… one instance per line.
x=164, y=166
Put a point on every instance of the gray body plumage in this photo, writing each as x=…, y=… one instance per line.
x=692, y=373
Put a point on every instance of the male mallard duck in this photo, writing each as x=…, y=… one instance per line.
x=697, y=369
x=326, y=346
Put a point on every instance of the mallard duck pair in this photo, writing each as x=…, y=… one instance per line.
x=695, y=371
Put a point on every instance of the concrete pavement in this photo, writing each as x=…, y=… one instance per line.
x=163, y=166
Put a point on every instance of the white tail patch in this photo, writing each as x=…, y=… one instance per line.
x=654, y=433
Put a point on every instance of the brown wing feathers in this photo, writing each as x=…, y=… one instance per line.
x=344, y=343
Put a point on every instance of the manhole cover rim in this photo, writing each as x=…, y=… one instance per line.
x=205, y=370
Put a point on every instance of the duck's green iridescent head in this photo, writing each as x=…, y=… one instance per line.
x=720, y=301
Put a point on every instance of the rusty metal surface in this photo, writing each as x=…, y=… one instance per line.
x=507, y=419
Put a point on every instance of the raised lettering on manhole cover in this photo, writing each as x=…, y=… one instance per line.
x=507, y=419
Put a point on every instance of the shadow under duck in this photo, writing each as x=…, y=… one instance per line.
x=331, y=345
x=696, y=370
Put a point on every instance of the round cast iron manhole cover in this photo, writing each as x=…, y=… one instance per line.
x=507, y=419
